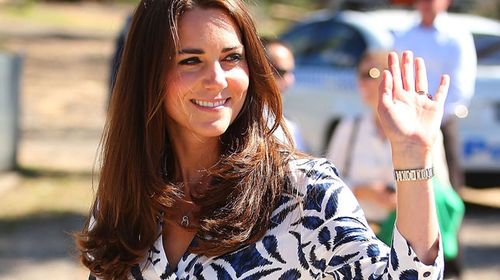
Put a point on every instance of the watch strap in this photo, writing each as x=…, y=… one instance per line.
x=414, y=174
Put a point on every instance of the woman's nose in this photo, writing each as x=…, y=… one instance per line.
x=215, y=79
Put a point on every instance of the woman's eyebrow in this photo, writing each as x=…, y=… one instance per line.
x=191, y=51
x=224, y=50
x=200, y=51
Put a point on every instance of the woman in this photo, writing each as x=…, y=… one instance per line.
x=361, y=151
x=193, y=183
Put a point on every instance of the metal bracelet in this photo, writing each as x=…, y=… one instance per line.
x=414, y=174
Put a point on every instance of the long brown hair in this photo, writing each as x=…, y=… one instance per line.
x=136, y=178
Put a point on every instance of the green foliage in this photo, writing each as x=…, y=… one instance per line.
x=134, y=2
x=272, y=17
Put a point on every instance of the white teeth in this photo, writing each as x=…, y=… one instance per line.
x=208, y=103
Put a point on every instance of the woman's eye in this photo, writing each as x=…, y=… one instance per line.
x=190, y=61
x=235, y=57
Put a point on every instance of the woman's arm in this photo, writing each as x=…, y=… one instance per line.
x=411, y=122
x=416, y=213
x=336, y=240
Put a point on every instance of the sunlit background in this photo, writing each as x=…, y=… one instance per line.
x=59, y=53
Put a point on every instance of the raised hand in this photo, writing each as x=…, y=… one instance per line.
x=409, y=116
x=411, y=122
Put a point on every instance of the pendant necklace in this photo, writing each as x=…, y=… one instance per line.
x=187, y=218
x=185, y=221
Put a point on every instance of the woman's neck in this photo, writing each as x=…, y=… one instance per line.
x=193, y=159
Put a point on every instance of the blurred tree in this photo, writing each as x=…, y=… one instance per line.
x=310, y=4
x=488, y=8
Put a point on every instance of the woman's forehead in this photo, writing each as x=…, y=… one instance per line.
x=200, y=20
x=204, y=28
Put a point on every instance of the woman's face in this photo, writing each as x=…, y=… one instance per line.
x=369, y=77
x=207, y=86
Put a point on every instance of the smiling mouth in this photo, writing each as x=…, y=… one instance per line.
x=209, y=104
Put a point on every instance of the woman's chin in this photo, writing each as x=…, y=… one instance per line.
x=214, y=130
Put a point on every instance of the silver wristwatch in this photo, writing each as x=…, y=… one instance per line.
x=414, y=174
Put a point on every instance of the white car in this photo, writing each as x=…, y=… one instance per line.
x=328, y=46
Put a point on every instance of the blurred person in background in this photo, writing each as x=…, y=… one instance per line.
x=361, y=152
x=445, y=49
x=194, y=184
x=283, y=64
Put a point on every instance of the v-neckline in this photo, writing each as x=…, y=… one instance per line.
x=160, y=261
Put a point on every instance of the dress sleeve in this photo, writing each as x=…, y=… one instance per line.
x=341, y=245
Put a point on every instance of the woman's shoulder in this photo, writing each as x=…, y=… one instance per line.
x=312, y=172
x=320, y=191
x=308, y=166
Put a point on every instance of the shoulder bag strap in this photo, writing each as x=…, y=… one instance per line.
x=350, y=146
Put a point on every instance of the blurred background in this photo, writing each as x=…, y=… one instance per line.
x=55, y=59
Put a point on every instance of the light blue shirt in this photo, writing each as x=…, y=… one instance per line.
x=446, y=50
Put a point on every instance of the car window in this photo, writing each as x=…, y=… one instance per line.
x=487, y=49
x=326, y=43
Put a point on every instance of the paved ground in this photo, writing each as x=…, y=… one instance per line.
x=64, y=94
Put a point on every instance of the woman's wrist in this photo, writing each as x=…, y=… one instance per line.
x=411, y=157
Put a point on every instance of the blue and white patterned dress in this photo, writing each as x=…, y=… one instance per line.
x=318, y=233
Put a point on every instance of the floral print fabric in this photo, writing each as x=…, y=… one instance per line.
x=318, y=231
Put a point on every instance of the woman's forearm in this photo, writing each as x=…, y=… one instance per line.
x=416, y=212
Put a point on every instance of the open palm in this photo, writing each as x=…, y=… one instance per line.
x=407, y=114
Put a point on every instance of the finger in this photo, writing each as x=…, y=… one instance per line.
x=407, y=69
x=385, y=89
x=395, y=72
x=421, y=83
x=442, y=92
